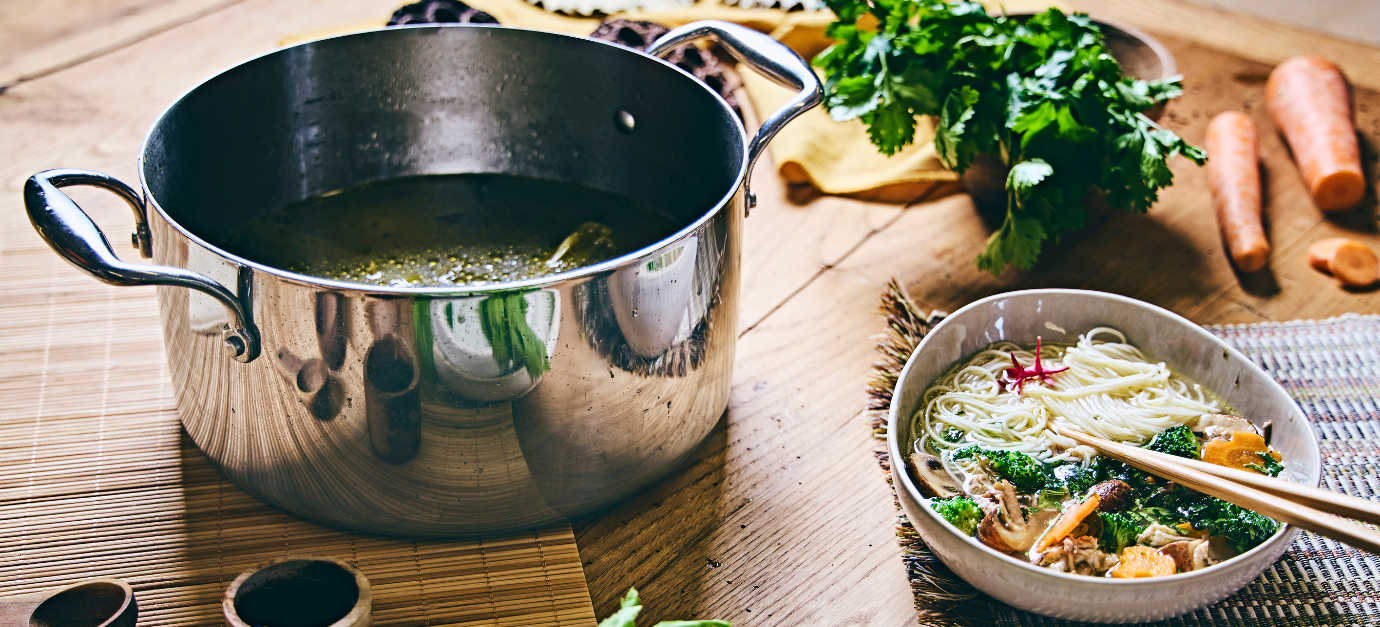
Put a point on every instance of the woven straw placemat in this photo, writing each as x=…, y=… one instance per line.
x=1331, y=367
x=97, y=479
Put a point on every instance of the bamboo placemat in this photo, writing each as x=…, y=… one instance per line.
x=97, y=479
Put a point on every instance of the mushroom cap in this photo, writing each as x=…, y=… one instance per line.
x=930, y=477
x=1114, y=495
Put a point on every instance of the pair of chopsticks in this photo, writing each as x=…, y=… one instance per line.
x=1299, y=505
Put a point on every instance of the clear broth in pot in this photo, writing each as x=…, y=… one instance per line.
x=450, y=230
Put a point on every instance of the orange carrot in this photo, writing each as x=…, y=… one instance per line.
x=1142, y=561
x=1311, y=105
x=1353, y=263
x=1067, y=522
x=1234, y=180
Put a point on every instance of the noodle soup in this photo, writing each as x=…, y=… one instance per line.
x=984, y=454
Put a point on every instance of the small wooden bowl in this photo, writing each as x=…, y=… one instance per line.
x=92, y=603
x=1140, y=55
x=300, y=591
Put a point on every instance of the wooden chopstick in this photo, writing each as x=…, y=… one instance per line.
x=1343, y=505
x=1259, y=501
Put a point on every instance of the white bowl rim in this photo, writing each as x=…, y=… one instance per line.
x=893, y=444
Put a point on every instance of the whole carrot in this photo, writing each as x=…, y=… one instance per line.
x=1311, y=105
x=1234, y=180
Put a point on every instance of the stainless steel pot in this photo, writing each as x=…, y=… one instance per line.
x=382, y=409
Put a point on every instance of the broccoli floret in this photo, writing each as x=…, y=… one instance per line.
x=1178, y=441
x=1118, y=531
x=1077, y=478
x=1023, y=471
x=953, y=435
x=1268, y=465
x=961, y=512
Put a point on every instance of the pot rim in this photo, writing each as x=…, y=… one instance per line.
x=524, y=285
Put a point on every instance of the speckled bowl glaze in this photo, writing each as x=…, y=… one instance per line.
x=1060, y=316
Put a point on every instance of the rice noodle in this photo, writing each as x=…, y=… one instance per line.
x=1110, y=390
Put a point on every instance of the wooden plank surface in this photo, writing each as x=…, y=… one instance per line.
x=783, y=517
x=40, y=37
x=784, y=512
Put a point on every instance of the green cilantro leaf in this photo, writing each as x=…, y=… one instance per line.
x=1017, y=242
x=1028, y=174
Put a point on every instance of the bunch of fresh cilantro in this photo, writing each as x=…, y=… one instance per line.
x=1042, y=93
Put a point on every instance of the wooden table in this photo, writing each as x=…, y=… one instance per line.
x=783, y=517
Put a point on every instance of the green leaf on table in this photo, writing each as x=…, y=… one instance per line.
x=628, y=608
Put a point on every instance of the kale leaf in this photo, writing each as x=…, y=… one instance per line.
x=1040, y=92
x=1142, y=483
x=1243, y=528
x=1178, y=441
x=1118, y=531
x=961, y=512
x=1076, y=477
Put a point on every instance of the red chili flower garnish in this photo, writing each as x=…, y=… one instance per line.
x=1018, y=374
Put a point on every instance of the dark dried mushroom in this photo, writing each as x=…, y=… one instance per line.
x=440, y=12
x=931, y=478
x=1114, y=495
x=702, y=64
x=1182, y=552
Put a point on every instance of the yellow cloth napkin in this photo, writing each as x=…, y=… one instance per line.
x=834, y=157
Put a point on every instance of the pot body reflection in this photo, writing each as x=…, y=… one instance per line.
x=443, y=411
x=374, y=423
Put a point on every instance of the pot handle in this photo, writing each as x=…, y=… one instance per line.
x=769, y=57
x=70, y=232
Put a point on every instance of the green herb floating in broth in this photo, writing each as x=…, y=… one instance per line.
x=450, y=230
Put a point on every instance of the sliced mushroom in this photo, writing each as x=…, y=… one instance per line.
x=931, y=478
x=1221, y=425
x=1005, y=527
x=1182, y=552
x=1114, y=495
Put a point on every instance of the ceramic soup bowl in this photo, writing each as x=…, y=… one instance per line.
x=1061, y=316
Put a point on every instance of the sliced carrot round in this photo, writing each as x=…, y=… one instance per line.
x=1142, y=561
x=1355, y=264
